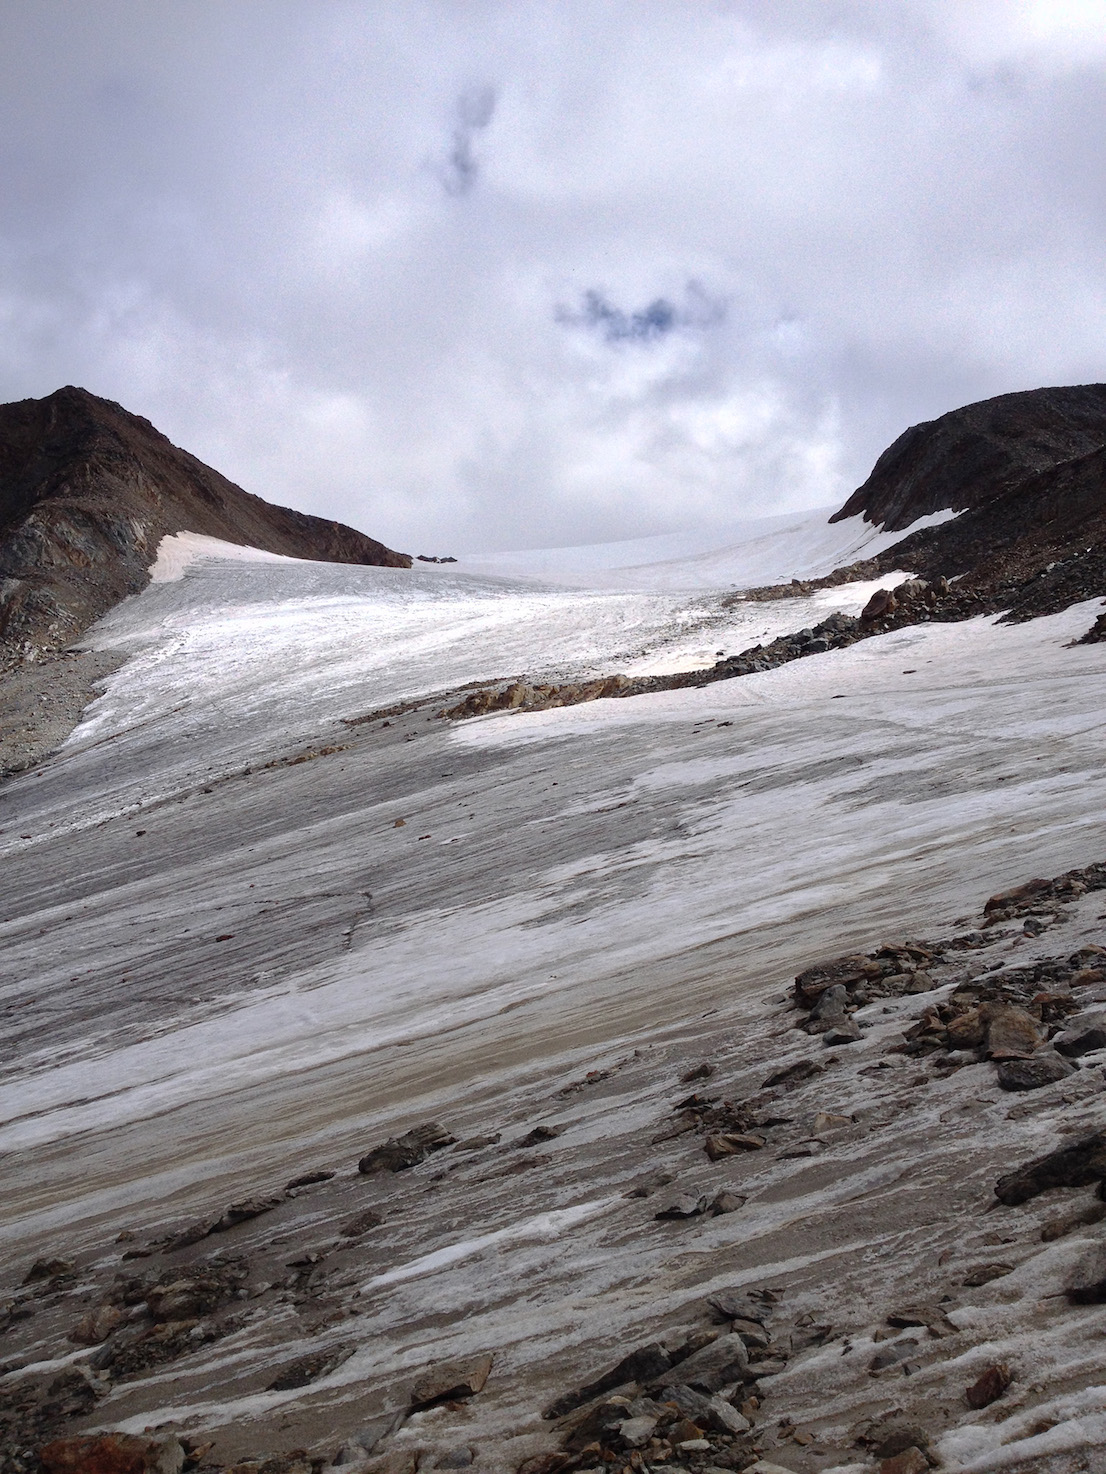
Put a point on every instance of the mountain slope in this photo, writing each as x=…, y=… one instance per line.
x=87, y=491
x=966, y=458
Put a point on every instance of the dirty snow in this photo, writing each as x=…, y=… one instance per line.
x=227, y=961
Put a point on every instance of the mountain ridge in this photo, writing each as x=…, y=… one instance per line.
x=87, y=492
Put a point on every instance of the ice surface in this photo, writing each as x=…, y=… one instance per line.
x=765, y=550
x=223, y=964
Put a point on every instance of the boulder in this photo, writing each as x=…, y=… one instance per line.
x=730, y=1143
x=989, y=1387
x=1043, y=1068
x=725, y=1201
x=829, y=1010
x=47, y=1269
x=1012, y=1033
x=636, y=1432
x=882, y=603
x=1082, y=1162
x=716, y=1365
x=189, y=1298
x=452, y=1380
x=1082, y=1036
x=846, y=971
x=400, y=1152
x=644, y=1364
x=844, y=1032
x=95, y=1327
x=707, y=1411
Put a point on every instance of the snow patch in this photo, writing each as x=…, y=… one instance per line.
x=180, y=551
x=748, y=554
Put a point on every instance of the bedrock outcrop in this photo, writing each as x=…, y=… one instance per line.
x=87, y=492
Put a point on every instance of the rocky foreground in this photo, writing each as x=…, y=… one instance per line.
x=861, y=1227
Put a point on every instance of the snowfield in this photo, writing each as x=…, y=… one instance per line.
x=245, y=934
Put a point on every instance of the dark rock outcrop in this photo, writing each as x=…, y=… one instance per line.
x=87, y=492
x=968, y=456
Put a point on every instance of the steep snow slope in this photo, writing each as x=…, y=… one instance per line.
x=226, y=960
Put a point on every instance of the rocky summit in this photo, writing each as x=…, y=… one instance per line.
x=87, y=492
x=464, y=1020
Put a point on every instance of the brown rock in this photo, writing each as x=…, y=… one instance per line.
x=96, y=1326
x=882, y=602
x=1011, y=1032
x=910, y=1461
x=245, y=1210
x=1022, y=895
x=697, y=1072
x=967, y=1030
x=730, y=1143
x=990, y=1386
x=112, y=1453
x=726, y=1202
x=848, y=971
x=455, y=1379
x=185, y=1299
x=308, y=1179
x=478, y=1143
x=795, y=1074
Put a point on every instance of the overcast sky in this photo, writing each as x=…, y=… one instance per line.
x=472, y=274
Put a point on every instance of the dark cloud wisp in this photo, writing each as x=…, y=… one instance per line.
x=648, y=324
x=475, y=110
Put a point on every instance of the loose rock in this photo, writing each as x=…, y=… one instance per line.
x=1044, y=1068
x=456, y=1379
x=989, y=1387
x=400, y=1152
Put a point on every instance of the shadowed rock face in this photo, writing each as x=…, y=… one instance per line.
x=970, y=456
x=87, y=491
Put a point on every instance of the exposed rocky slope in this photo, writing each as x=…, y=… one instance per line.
x=969, y=456
x=87, y=491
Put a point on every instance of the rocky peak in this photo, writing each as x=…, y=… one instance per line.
x=87, y=492
x=969, y=456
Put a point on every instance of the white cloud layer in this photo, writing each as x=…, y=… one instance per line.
x=499, y=273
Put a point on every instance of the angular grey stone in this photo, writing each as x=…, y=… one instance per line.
x=1043, y=1068
x=723, y=1361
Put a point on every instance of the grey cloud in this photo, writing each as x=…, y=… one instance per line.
x=475, y=110
x=648, y=323
x=223, y=217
